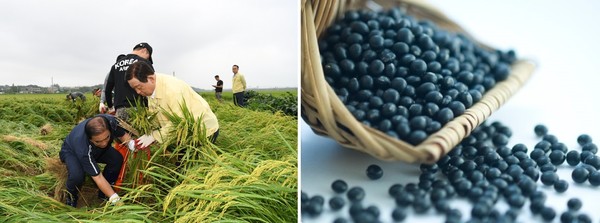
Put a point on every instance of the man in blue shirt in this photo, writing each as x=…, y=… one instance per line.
x=88, y=144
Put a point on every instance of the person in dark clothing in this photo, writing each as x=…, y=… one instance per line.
x=124, y=95
x=218, y=88
x=74, y=95
x=88, y=144
x=102, y=108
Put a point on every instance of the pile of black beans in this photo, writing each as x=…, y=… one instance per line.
x=406, y=77
x=483, y=170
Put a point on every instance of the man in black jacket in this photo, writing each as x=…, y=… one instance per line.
x=124, y=95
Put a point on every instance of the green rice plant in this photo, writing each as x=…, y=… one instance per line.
x=17, y=156
x=65, y=116
x=142, y=119
x=237, y=188
x=82, y=109
x=7, y=113
x=35, y=119
x=10, y=127
x=53, y=116
x=20, y=205
x=262, y=135
x=186, y=129
x=187, y=136
x=24, y=110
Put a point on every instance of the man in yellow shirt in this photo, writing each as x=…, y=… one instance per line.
x=239, y=86
x=169, y=93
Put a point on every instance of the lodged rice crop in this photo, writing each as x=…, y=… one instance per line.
x=248, y=175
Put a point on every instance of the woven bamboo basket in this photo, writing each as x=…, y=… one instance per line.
x=327, y=115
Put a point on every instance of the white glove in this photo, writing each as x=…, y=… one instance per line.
x=145, y=141
x=114, y=199
x=102, y=108
x=131, y=145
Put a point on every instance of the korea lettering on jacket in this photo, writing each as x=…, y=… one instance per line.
x=123, y=65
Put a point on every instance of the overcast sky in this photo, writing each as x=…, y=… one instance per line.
x=76, y=42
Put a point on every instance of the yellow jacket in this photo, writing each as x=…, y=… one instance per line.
x=169, y=94
x=239, y=83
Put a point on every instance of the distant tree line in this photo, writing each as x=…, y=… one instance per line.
x=35, y=89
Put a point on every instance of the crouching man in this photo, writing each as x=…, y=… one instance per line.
x=88, y=144
x=74, y=95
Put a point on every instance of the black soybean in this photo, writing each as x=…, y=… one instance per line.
x=580, y=174
x=548, y=167
x=421, y=205
x=594, y=178
x=561, y=186
x=398, y=214
x=364, y=217
x=573, y=158
x=591, y=147
x=339, y=186
x=568, y=217
x=404, y=199
x=336, y=203
x=315, y=205
x=395, y=189
x=543, y=145
x=557, y=157
x=374, y=210
x=584, y=139
x=537, y=153
x=540, y=130
x=549, y=178
x=444, y=115
x=356, y=194
x=574, y=204
x=340, y=220
x=374, y=172
x=355, y=209
x=536, y=206
x=548, y=213
x=593, y=161
x=584, y=218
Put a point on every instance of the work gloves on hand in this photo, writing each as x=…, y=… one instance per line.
x=144, y=141
x=131, y=145
x=114, y=199
x=102, y=108
x=141, y=143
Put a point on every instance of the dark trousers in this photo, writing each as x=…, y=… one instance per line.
x=213, y=137
x=238, y=98
x=113, y=161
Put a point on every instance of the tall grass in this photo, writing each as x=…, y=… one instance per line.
x=248, y=175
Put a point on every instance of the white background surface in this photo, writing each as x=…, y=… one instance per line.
x=563, y=37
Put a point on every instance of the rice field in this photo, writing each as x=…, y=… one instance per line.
x=249, y=175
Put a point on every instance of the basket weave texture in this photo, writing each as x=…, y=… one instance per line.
x=327, y=115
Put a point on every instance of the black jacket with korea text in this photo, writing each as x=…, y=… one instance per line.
x=124, y=95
